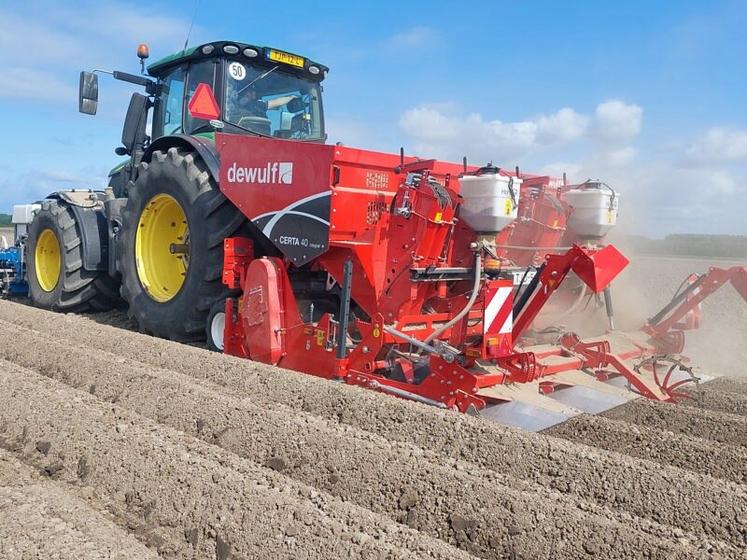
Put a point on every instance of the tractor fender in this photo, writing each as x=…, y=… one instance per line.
x=88, y=208
x=204, y=147
x=118, y=179
x=207, y=152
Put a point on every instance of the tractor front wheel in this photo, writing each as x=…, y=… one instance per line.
x=171, y=257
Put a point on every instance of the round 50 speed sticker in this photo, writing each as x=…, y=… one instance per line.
x=236, y=71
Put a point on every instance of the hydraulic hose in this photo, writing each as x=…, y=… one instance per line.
x=472, y=298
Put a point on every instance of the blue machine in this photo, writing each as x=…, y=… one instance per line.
x=12, y=257
x=13, y=273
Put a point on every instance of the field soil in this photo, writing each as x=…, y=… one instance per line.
x=114, y=444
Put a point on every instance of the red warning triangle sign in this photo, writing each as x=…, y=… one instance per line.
x=203, y=104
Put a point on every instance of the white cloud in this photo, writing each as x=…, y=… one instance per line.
x=661, y=197
x=618, y=122
x=28, y=38
x=452, y=136
x=572, y=170
x=721, y=182
x=657, y=197
x=428, y=123
x=687, y=201
x=350, y=131
x=38, y=183
x=564, y=126
x=133, y=25
x=45, y=45
x=718, y=144
x=619, y=157
x=417, y=36
x=27, y=83
x=441, y=131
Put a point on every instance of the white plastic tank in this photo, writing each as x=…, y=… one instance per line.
x=595, y=206
x=491, y=200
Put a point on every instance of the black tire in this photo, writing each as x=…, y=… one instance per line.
x=210, y=217
x=214, y=326
x=77, y=290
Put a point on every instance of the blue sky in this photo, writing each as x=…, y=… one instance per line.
x=648, y=96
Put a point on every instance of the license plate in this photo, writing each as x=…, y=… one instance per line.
x=286, y=58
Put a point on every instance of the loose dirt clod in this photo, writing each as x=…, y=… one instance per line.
x=711, y=398
x=729, y=385
x=404, y=482
x=160, y=482
x=686, y=452
x=288, y=442
x=42, y=519
x=725, y=428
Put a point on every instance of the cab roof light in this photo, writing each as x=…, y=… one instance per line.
x=314, y=70
x=231, y=49
x=143, y=51
x=207, y=49
x=251, y=53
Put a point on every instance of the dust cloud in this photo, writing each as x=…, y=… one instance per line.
x=648, y=283
x=719, y=346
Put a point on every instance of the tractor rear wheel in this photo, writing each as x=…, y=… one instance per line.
x=54, y=256
x=171, y=245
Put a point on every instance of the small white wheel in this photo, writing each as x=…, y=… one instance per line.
x=216, y=326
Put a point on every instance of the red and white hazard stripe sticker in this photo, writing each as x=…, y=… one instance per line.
x=498, y=316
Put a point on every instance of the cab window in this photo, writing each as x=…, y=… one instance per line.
x=272, y=102
x=167, y=118
x=199, y=73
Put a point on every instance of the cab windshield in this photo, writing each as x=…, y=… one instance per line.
x=272, y=102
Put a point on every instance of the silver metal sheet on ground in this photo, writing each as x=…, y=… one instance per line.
x=524, y=416
x=619, y=381
x=587, y=399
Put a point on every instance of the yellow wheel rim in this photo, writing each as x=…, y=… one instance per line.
x=47, y=260
x=162, y=247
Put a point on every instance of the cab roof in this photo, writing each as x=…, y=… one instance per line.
x=253, y=54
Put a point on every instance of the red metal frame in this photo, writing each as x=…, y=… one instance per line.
x=596, y=267
x=541, y=224
x=389, y=224
x=706, y=285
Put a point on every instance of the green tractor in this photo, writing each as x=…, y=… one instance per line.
x=154, y=237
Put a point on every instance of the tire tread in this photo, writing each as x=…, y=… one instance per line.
x=81, y=290
x=180, y=319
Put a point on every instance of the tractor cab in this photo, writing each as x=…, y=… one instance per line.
x=223, y=86
x=238, y=88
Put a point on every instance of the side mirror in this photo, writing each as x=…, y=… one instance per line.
x=88, y=93
x=133, y=132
